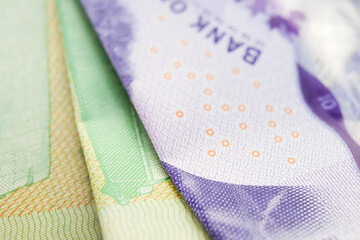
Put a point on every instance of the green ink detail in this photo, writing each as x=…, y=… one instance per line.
x=126, y=155
x=30, y=179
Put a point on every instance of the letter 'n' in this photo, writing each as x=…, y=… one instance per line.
x=215, y=33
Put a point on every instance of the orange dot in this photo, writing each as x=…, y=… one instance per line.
x=207, y=107
x=278, y=139
x=243, y=126
x=225, y=107
x=208, y=91
x=255, y=153
x=225, y=143
x=295, y=134
x=241, y=108
x=236, y=71
x=288, y=110
x=209, y=76
x=272, y=124
x=207, y=54
x=154, y=50
x=210, y=132
x=211, y=153
x=179, y=114
x=167, y=76
x=161, y=18
x=184, y=42
x=191, y=75
x=257, y=84
x=291, y=160
x=177, y=64
x=269, y=108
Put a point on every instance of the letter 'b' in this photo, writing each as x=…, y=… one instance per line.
x=251, y=55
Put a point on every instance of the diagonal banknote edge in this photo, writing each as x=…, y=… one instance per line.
x=110, y=188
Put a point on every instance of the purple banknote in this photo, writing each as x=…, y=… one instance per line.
x=237, y=104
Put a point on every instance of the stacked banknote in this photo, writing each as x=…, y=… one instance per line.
x=180, y=119
x=45, y=187
x=134, y=196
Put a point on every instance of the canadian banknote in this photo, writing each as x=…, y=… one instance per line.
x=62, y=205
x=230, y=95
x=134, y=196
x=24, y=95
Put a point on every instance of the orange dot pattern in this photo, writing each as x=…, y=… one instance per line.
x=191, y=75
x=236, y=71
x=241, y=108
x=179, y=114
x=207, y=107
x=210, y=132
x=225, y=107
x=207, y=54
x=161, y=18
x=272, y=124
x=225, y=143
x=167, y=76
x=295, y=134
x=177, y=64
x=269, y=108
x=243, y=126
x=208, y=91
x=291, y=160
x=255, y=153
x=257, y=84
x=209, y=76
x=211, y=153
x=184, y=42
x=154, y=50
x=288, y=110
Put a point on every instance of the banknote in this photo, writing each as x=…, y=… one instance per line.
x=134, y=196
x=61, y=206
x=258, y=146
x=24, y=95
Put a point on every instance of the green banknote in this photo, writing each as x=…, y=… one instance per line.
x=134, y=195
x=24, y=94
x=62, y=205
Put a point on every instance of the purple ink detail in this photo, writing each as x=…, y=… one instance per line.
x=178, y=7
x=323, y=103
x=230, y=211
x=318, y=97
x=217, y=36
x=233, y=45
x=286, y=26
x=251, y=55
x=259, y=6
x=200, y=24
